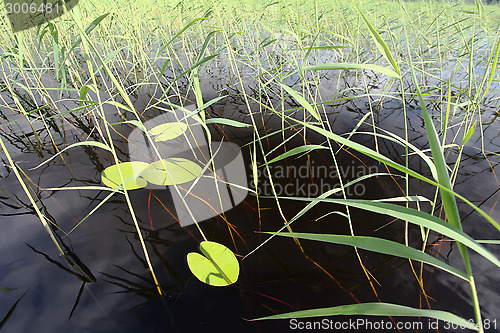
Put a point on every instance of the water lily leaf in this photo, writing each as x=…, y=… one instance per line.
x=168, y=131
x=218, y=267
x=130, y=171
x=180, y=170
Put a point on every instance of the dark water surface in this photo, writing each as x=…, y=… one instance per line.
x=277, y=278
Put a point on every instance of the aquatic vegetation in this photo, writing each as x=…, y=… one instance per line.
x=130, y=171
x=170, y=171
x=217, y=266
x=167, y=131
x=410, y=88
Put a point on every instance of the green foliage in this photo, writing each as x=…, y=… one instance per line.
x=381, y=246
x=130, y=172
x=302, y=101
x=376, y=309
x=295, y=151
x=345, y=66
x=381, y=44
x=217, y=266
x=170, y=171
x=167, y=131
x=144, y=45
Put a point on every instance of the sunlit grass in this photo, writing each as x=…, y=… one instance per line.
x=105, y=54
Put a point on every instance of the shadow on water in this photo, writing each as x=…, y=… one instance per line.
x=279, y=277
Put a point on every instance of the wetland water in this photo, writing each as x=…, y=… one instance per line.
x=277, y=278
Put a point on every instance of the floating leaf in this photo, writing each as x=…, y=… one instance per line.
x=130, y=172
x=168, y=131
x=219, y=267
x=180, y=170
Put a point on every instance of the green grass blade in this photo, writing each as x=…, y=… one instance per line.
x=296, y=151
x=85, y=143
x=469, y=133
x=408, y=198
x=313, y=203
x=302, y=101
x=449, y=203
x=447, y=197
x=88, y=30
x=378, y=245
x=164, y=46
x=381, y=158
x=493, y=68
x=347, y=66
x=413, y=216
x=381, y=44
x=376, y=309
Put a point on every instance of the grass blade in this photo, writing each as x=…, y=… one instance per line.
x=378, y=245
x=296, y=151
x=381, y=158
x=228, y=122
x=178, y=34
x=302, y=101
x=347, y=66
x=413, y=216
x=376, y=309
x=85, y=143
x=381, y=44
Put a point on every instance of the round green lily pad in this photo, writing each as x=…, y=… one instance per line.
x=168, y=131
x=218, y=267
x=130, y=172
x=180, y=169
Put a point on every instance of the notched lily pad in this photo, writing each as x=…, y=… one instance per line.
x=180, y=169
x=130, y=171
x=168, y=131
x=218, y=267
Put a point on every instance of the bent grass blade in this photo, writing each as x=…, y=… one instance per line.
x=378, y=245
x=413, y=216
x=376, y=309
